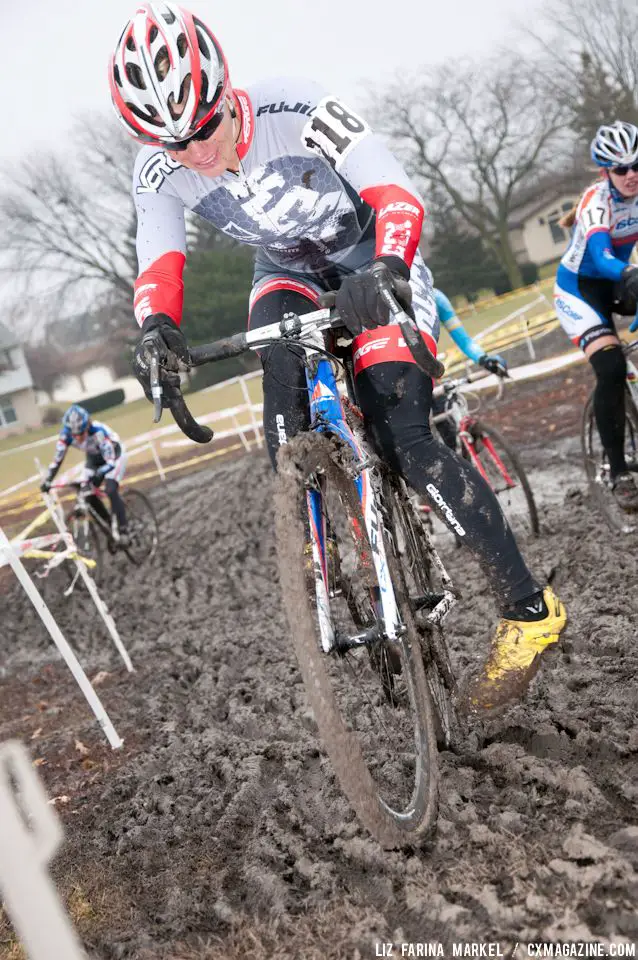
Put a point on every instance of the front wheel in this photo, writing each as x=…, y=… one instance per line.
x=88, y=543
x=505, y=475
x=369, y=694
x=597, y=464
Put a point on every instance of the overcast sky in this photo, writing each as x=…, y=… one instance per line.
x=55, y=64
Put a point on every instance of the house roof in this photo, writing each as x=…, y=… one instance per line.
x=568, y=186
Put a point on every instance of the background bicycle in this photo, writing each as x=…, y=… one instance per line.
x=363, y=588
x=595, y=458
x=93, y=527
x=489, y=452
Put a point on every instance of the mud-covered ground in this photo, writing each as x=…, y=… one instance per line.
x=218, y=829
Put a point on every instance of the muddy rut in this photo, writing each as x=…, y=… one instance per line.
x=219, y=831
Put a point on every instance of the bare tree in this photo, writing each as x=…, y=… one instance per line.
x=67, y=224
x=481, y=135
x=583, y=39
x=47, y=366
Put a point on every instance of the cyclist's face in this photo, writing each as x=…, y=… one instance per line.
x=212, y=156
x=627, y=185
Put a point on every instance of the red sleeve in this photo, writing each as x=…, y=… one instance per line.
x=160, y=288
x=399, y=221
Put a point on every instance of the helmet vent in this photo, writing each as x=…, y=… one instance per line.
x=130, y=44
x=201, y=40
x=162, y=63
x=169, y=16
x=182, y=45
x=153, y=34
x=135, y=76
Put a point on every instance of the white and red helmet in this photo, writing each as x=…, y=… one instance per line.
x=168, y=75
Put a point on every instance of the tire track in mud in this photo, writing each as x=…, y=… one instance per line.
x=221, y=815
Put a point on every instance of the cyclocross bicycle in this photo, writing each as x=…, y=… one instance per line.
x=92, y=525
x=595, y=458
x=488, y=451
x=364, y=589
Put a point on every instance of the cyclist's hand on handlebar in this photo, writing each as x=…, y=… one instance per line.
x=358, y=300
x=494, y=364
x=45, y=486
x=162, y=332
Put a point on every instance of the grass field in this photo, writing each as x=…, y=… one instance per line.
x=134, y=418
x=128, y=420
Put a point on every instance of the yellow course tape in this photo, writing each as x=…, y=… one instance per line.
x=48, y=555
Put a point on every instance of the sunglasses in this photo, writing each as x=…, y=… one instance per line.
x=202, y=134
x=623, y=171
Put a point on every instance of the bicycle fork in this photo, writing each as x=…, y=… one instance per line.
x=385, y=602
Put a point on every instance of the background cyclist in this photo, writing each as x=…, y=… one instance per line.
x=594, y=280
x=105, y=461
x=471, y=349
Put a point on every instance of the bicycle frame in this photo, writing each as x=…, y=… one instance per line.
x=463, y=420
x=327, y=416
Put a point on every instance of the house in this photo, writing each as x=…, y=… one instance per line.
x=535, y=232
x=18, y=408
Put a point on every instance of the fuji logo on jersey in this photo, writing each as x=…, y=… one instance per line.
x=283, y=107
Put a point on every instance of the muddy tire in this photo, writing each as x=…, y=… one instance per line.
x=597, y=467
x=142, y=525
x=300, y=461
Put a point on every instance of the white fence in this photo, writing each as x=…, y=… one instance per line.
x=147, y=441
x=23, y=545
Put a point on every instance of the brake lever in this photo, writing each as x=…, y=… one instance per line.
x=156, y=386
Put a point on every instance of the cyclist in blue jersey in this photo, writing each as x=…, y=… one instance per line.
x=105, y=461
x=491, y=362
x=595, y=280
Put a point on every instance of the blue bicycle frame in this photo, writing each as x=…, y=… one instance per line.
x=327, y=416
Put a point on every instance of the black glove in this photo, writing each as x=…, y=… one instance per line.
x=171, y=345
x=359, y=303
x=45, y=486
x=494, y=364
x=629, y=287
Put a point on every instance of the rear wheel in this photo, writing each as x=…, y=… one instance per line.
x=369, y=695
x=597, y=465
x=507, y=478
x=143, y=528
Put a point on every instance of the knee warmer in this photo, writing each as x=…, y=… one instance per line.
x=609, y=365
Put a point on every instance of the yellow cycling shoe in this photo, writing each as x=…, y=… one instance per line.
x=515, y=658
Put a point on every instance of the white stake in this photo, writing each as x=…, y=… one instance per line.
x=26, y=846
x=58, y=638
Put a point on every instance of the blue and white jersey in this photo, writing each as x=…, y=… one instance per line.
x=101, y=444
x=604, y=235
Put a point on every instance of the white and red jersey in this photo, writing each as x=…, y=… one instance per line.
x=317, y=191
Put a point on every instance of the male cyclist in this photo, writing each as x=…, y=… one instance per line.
x=471, y=349
x=105, y=460
x=298, y=175
x=594, y=280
